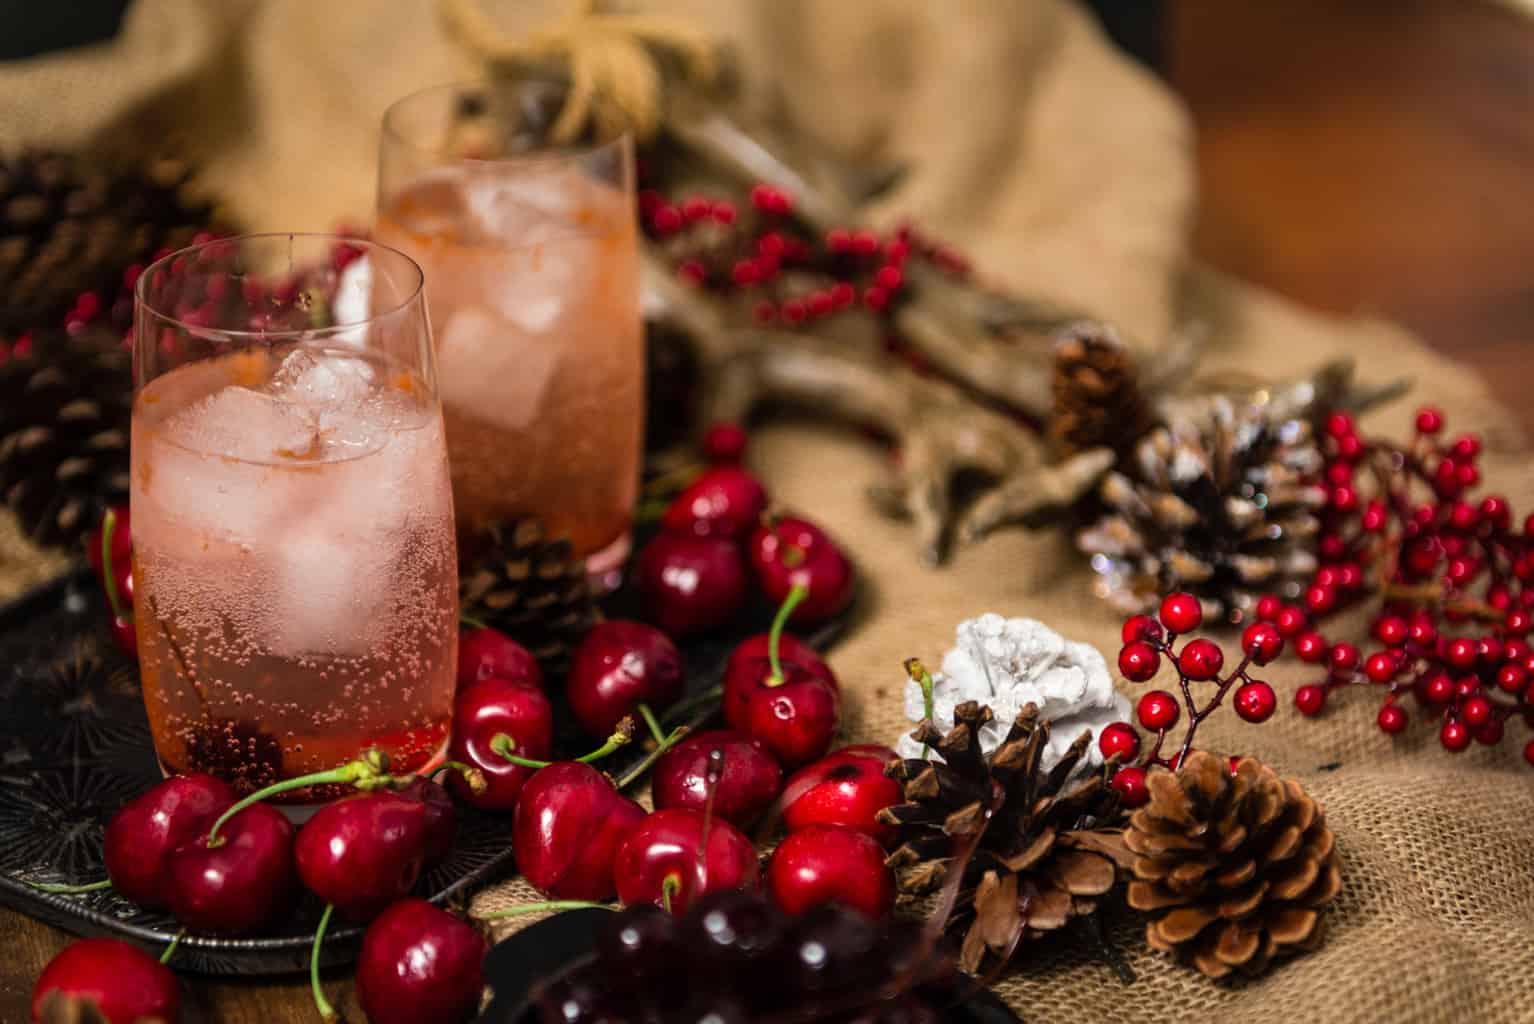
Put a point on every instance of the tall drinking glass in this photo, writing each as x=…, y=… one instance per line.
x=532, y=268
x=295, y=571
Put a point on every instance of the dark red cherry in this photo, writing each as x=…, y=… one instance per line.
x=149, y=827
x=795, y=551
x=749, y=781
x=363, y=852
x=658, y=862
x=110, y=550
x=725, y=501
x=691, y=584
x=796, y=717
x=749, y=666
x=241, y=882
x=419, y=963
x=568, y=825
x=441, y=815
x=846, y=787
x=486, y=653
x=825, y=863
x=491, y=714
x=618, y=666
x=122, y=984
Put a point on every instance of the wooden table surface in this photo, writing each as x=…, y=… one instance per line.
x=1371, y=155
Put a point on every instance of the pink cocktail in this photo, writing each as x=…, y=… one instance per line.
x=531, y=264
x=294, y=556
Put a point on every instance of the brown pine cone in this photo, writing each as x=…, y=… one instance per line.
x=1097, y=397
x=1238, y=868
x=1048, y=852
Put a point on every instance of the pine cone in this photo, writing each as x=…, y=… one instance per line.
x=1048, y=852
x=1221, y=504
x=64, y=417
x=1097, y=399
x=532, y=589
x=1239, y=868
x=68, y=228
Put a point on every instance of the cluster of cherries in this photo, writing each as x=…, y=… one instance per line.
x=1151, y=642
x=725, y=247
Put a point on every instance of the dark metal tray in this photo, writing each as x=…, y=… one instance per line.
x=75, y=746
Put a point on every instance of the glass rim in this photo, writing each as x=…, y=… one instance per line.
x=415, y=296
x=550, y=154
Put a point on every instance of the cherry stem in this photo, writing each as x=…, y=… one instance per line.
x=919, y=675
x=170, y=948
x=547, y=905
x=471, y=775
x=633, y=774
x=775, y=634
x=326, y=1011
x=669, y=886
x=465, y=619
x=108, y=528
x=370, y=771
x=71, y=890
x=503, y=745
x=691, y=704
x=650, y=721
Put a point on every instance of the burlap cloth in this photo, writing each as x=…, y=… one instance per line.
x=1065, y=172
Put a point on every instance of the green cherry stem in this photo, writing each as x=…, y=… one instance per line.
x=652, y=723
x=471, y=775
x=922, y=678
x=370, y=771
x=465, y=619
x=681, y=710
x=547, y=905
x=775, y=634
x=505, y=747
x=70, y=890
x=669, y=887
x=170, y=948
x=326, y=1011
x=109, y=577
x=633, y=775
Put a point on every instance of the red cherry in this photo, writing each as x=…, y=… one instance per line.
x=846, y=787
x=140, y=835
x=1343, y=658
x=1201, y=660
x=569, y=823
x=725, y=501
x=797, y=552
x=363, y=852
x=619, y=666
x=691, y=584
x=1139, y=661
x=1158, y=710
x=123, y=985
x=749, y=667
x=825, y=863
x=748, y=784
x=1310, y=647
x=1129, y=783
x=420, y=963
x=1119, y=738
x=1391, y=719
x=1475, y=711
x=1181, y=613
x=1140, y=627
x=1255, y=701
x=795, y=716
x=1290, y=620
x=1310, y=699
x=1454, y=735
x=482, y=714
x=486, y=653
x=1262, y=641
x=1429, y=420
x=725, y=442
x=1462, y=652
x=238, y=885
x=662, y=860
x=1380, y=667
x=1268, y=607
x=441, y=815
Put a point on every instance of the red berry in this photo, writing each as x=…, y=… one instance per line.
x=1290, y=620
x=1466, y=687
x=1350, y=576
x=1139, y=661
x=1350, y=448
x=725, y=442
x=1463, y=515
x=1429, y=420
x=1343, y=658
x=875, y=298
x=1181, y=613
x=1339, y=474
x=666, y=220
x=1466, y=447
x=1262, y=642
x=1515, y=650
x=1255, y=701
x=1391, y=719
x=1158, y=710
x=1330, y=547
x=1489, y=732
x=1374, y=517
x=1488, y=649
x=1320, y=599
x=1512, y=678
x=1129, y=782
x=1495, y=510
x=1339, y=425
x=1344, y=499
x=1310, y=699
x=696, y=208
x=1311, y=647
x=1439, y=689
x=1119, y=738
x=1268, y=607
x=1466, y=475
x=1462, y=652
x=1476, y=710
x=1140, y=627
x=1422, y=631
x=1528, y=751
x=888, y=277
x=1391, y=631
x=1201, y=660
x=1455, y=736
x=1380, y=667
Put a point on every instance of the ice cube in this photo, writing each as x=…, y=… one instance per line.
x=493, y=370
x=316, y=377
x=327, y=586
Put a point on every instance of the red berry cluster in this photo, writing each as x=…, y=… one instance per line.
x=759, y=246
x=1147, y=642
x=1449, y=574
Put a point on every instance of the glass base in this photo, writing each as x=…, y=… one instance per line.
x=604, y=569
